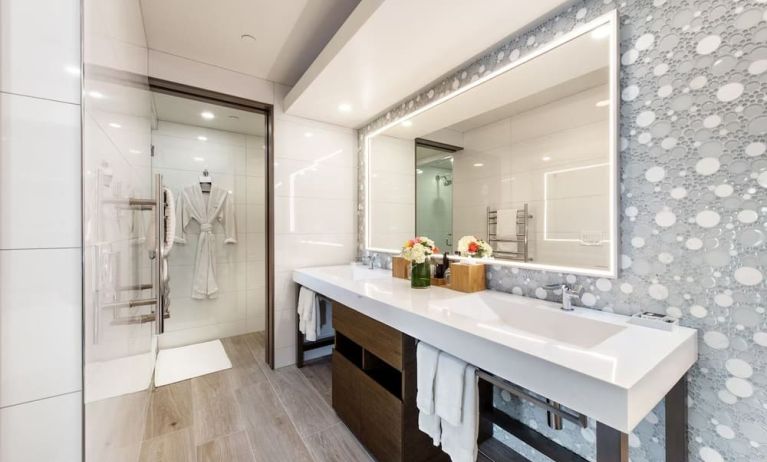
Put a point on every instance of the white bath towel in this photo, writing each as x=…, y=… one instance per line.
x=426, y=363
x=448, y=389
x=307, y=313
x=460, y=441
x=430, y=424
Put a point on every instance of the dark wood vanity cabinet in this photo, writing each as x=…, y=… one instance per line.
x=374, y=388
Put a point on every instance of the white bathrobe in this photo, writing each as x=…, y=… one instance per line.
x=206, y=209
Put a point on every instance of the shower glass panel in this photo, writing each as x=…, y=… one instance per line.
x=212, y=159
x=434, y=195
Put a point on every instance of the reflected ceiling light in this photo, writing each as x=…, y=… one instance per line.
x=115, y=125
x=308, y=134
x=418, y=171
x=407, y=123
x=74, y=70
x=546, y=158
x=96, y=94
x=134, y=151
x=207, y=115
x=603, y=103
x=198, y=159
x=202, y=138
x=345, y=107
x=479, y=164
x=600, y=33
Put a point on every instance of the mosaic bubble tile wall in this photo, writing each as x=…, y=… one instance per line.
x=693, y=205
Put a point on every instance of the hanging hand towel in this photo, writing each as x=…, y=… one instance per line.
x=426, y=363
x=448, y=388
x=460, y=441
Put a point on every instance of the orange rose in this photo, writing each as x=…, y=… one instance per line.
x=473, y=247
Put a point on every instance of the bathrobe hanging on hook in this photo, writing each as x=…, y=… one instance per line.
x=206, y=209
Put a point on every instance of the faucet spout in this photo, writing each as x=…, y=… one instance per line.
x=569, y=293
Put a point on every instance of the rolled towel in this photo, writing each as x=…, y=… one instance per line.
x=426, y=363
x=460, y=441
x=448, y=388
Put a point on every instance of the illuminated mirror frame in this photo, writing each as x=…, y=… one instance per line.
x=609, y=20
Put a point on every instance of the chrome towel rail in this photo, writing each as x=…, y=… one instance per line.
x=575, y=417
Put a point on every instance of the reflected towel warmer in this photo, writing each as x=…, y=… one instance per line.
x=521, y=238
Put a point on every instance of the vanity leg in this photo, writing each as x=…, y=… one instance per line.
x=676, y=422
x=612, y=445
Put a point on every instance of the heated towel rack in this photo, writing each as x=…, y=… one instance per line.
x=521, y=239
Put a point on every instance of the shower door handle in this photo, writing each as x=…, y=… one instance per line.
x=159, y=282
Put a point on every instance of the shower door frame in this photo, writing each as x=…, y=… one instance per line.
x=236, y=102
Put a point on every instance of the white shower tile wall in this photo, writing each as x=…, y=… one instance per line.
x=40, y=244
x=235, y=162
x=693, y=187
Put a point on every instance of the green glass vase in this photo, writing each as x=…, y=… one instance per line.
x=420, y=275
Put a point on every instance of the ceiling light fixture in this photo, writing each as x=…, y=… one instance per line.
x=207, y=115
x=115, y=125
x=202, y=138
x=603, y=103
x=345, y=107
x=198, y=159
x=74, y=70
x=479, y=164
x=308, y=134
x=546, y=158
x=407, y=123
x=96, y=94
x=418, y=171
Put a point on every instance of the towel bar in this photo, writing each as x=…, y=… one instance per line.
x=575, y=417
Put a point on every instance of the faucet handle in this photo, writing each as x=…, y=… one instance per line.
x=556, y=286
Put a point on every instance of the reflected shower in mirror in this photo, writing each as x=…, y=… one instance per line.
x=525, y=159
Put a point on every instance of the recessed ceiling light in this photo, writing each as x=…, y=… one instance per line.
x=95, y=94
x=247, y=37
x=134, y=151
x=479, y=164
x=600, y=33
x=202, y=138
x=207, y=115
x=407, y=123
x=418, y=171
x=308, y=134
x=603, y=103
x=115, y=125
x=546, y=158
x=198, y=159
x=345, y=107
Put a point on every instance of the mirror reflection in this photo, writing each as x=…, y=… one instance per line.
x=524, y=161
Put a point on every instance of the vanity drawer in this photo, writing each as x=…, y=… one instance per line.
x=345, y=391
x=375, y=337
x=380, y=421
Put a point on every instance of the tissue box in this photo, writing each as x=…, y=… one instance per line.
x=399, y=267
x=467, y=278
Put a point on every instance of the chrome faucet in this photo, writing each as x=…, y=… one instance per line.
x=569, y=292
x=373, y=259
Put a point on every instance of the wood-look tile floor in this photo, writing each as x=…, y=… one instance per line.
x=249, y=413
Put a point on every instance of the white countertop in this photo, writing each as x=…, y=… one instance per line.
x=591, y=361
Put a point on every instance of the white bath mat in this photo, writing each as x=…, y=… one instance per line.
x=182, y=363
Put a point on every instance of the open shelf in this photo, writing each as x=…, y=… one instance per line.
x=349, y=349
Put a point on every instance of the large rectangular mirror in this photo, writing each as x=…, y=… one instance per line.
x=525, y=158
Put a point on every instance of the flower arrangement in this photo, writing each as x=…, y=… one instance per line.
x=470, y=246
x=419, y=249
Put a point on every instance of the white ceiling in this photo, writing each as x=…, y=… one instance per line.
x=388, y=49
x=186, y=111
x=289, y=33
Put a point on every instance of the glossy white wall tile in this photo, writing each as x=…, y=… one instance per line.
x=39, y=173
x=40, y=48
x=47, y=430
x=314, y=213
x=40, y=321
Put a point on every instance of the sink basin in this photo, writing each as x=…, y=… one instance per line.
x=532, y=317
x=357, y=273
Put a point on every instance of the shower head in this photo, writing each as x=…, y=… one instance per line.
x=444, y=179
